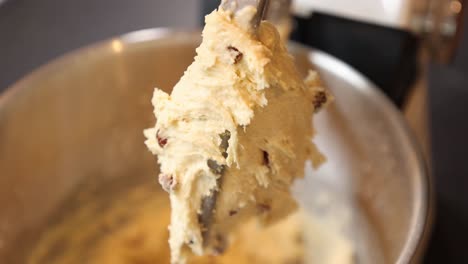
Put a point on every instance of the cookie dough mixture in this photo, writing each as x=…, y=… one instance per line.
x=134, y=231
x=234, y=134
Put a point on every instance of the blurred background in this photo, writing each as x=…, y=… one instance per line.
x=416, y=51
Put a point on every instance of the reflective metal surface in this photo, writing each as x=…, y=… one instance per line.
x=80, y=119
x=237, y=5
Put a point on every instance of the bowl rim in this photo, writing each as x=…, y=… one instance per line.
x=420, y=228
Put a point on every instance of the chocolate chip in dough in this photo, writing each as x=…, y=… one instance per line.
x=266, y=158
x=232, y=212
x=162, y=141
x=237, y=55
x=224, y=143
x=319, y=100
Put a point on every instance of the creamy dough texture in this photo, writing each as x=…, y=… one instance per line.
x=134, y=231
x=234, y=134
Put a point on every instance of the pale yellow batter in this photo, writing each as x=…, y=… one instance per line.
x=233, y=135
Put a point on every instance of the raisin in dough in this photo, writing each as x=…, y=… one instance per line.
x=237, y=127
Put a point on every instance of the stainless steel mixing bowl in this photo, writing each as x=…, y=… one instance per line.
x=80, y=119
